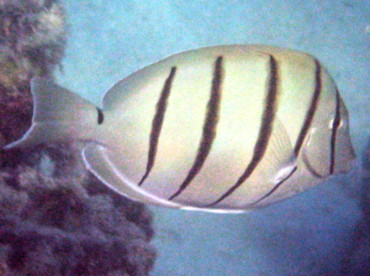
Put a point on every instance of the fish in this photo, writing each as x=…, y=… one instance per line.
x=224, y=129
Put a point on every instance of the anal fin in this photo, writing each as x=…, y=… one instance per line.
x=100, y=161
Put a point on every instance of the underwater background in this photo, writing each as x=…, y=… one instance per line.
x=311, y=234
x=323, y=231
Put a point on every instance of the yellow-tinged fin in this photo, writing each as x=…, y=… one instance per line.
x=58, y=114
x=102, y=162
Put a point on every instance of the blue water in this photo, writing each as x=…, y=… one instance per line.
x=307, y=235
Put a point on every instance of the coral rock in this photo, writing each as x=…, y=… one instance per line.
x=58, y=219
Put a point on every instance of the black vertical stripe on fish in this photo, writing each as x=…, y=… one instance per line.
x=276, y=186
x=209, y=127
x=157, y=123
x=306, y=125
x=100, y=116
x=264, y=131
x=335, y=127
x=311, y=110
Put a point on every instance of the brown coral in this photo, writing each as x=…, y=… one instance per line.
x=55, y=217
x=58, y=219
x=32, y=42
x=33, y=33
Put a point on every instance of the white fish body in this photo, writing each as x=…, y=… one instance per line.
x=224, y=128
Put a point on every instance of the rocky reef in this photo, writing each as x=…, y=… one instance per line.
x=55, y=217
x=32, y=42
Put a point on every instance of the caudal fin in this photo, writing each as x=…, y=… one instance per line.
x=58, y=115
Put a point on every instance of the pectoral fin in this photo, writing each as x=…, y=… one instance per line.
x=316, y=152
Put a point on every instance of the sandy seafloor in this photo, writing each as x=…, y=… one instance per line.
x=310, y=234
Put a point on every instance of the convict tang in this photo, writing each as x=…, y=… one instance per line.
x=224, y=128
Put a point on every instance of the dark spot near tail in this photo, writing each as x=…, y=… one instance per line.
x=100, y=116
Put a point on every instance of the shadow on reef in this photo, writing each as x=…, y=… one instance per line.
x=357, y=262
x=55, y=217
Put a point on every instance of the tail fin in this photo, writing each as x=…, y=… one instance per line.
x=58, y=115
